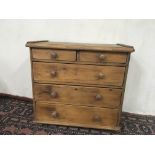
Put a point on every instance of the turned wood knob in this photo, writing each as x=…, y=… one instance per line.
x=101, y=75
x=54, y=114
x=101, y=56
x=54, y=94
x=98, y=97
x=54, y=55
x=97, y=118
x=53, y=73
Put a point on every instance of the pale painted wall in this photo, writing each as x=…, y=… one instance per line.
x=15, y=71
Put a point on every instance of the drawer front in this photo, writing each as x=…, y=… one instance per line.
x=53, y=55
x=101, y=57
x=78, y=95
x=76, y=115
x=75, y=73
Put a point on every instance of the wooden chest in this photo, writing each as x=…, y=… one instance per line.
x=79, y=84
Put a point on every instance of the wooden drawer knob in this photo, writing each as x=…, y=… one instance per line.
x=101, y=76
x=54, y=114
x=98, y=97
x=54, y=55
x=54, y=94
x=53, y=73
x=97, y=118
x=102, y=57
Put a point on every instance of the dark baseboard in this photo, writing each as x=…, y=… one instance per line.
x=16, y=97
x=130, y=113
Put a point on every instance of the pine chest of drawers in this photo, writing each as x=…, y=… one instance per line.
x=79, y=84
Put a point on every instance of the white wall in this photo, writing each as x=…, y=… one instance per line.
x=15, y=71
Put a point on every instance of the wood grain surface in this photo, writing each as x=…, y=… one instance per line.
x=78, y=95
x=100, y=57
x=81, y=46
x=53, y=55
x=55, y=113
x=90, y=74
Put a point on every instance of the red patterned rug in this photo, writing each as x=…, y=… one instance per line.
x=16, y=119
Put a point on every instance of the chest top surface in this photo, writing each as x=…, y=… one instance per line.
x=81, y=46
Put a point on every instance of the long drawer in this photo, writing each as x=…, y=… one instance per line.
x=76, y=73
x=78, y=95
x=55, y=113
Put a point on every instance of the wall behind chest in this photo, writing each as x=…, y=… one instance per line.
x=15, y=77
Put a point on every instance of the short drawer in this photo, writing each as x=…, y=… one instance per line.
x=55, y=113
x=102, y=57
x=78, y=95
x=76, y=73
x=53, y=55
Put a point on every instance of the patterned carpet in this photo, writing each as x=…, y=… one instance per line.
x=16, y=119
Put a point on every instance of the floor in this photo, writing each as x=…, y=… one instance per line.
x=16, y=119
